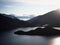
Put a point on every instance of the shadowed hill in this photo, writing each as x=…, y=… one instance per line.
x=52, y=18
x=8, y=22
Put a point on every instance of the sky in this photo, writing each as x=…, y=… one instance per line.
x=28, y=7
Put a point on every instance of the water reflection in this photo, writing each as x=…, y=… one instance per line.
x=55, y=41
x=9, y=38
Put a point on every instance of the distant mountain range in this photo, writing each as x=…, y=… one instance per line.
x=52, y=18
x=11, y=22
x=25, y=18
x=29, y=16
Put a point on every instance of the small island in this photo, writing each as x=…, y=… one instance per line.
x=47, y=31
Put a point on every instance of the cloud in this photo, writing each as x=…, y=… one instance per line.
x=33, y=2
x=41, y=2
x=27, y=7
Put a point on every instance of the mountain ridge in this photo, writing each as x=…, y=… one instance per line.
x=8, y=22
x=51, y=18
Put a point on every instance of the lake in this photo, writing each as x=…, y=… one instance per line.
x=9, y=38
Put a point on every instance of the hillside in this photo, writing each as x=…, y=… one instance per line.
x=8, y=22
x=52, y=18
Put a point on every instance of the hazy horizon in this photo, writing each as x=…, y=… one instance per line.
x=28, y=7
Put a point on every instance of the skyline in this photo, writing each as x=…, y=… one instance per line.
x=28, y=7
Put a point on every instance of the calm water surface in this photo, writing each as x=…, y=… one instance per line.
x=9, y=38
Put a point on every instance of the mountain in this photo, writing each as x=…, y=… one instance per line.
x=52, y=18
x=8, y=22
x=48, y=31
